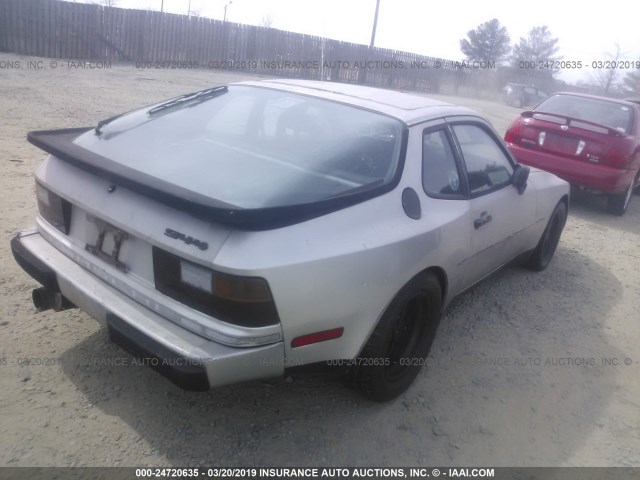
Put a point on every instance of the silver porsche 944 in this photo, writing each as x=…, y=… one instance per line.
x=231, y=233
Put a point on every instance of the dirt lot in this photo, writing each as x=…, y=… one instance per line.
x=521, y=372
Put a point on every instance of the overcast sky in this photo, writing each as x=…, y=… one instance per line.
x=587, y=31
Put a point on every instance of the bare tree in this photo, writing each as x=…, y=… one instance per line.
x=192, y=12
x=607, y=80
x=106, y=3
x=267, y=20
x=631, y=82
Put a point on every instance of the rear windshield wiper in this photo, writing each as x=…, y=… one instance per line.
x=189, y=98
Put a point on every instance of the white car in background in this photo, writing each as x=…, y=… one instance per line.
x=233, y=232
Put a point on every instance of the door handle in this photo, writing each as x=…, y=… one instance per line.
x=484, y=219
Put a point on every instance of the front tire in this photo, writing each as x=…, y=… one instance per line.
x=548, y=243
x=400, y=343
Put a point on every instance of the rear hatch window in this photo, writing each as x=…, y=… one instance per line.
x=255, y=148
x=595, y=110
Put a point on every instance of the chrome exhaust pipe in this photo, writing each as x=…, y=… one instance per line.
x=45, y=299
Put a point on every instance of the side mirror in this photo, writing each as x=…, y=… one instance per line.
x=520, y=177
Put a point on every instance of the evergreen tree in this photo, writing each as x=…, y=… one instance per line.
x=489, y=42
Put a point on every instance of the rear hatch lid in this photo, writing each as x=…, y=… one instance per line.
x=249, y=157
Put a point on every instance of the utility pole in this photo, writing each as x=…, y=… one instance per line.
x=375, y=25
x=161, y=6
x=189, y=10
x=225, y=10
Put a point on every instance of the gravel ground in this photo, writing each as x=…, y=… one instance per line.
x=522, y=371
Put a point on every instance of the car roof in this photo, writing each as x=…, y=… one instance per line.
x=409, y=108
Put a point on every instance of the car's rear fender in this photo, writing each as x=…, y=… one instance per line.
x=342, y=270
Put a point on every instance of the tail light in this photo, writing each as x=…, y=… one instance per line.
x=512, y=132
x=245, y=301
x=53, y=208
x=616, y=157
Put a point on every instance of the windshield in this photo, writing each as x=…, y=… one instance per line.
x=256, y=148
x=596, y=110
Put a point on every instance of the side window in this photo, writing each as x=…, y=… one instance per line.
x=488, y=167
x=440, y=176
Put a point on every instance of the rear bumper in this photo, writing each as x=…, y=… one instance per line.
x=32, y=264
x=577, y=172
x=188, y=360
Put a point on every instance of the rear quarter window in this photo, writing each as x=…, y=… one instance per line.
x=440, y=174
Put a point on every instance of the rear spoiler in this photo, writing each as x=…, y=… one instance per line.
x=60, y=143
x=569, y=121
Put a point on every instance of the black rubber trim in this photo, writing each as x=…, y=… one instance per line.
x=60, y=144
x=33, y=265
x=187, y=373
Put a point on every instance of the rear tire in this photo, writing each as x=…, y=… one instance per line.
x=636, y=190
x=400, y=343
x=542, y=255
x=617, y=204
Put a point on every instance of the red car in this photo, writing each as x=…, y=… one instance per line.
x=589, y=141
